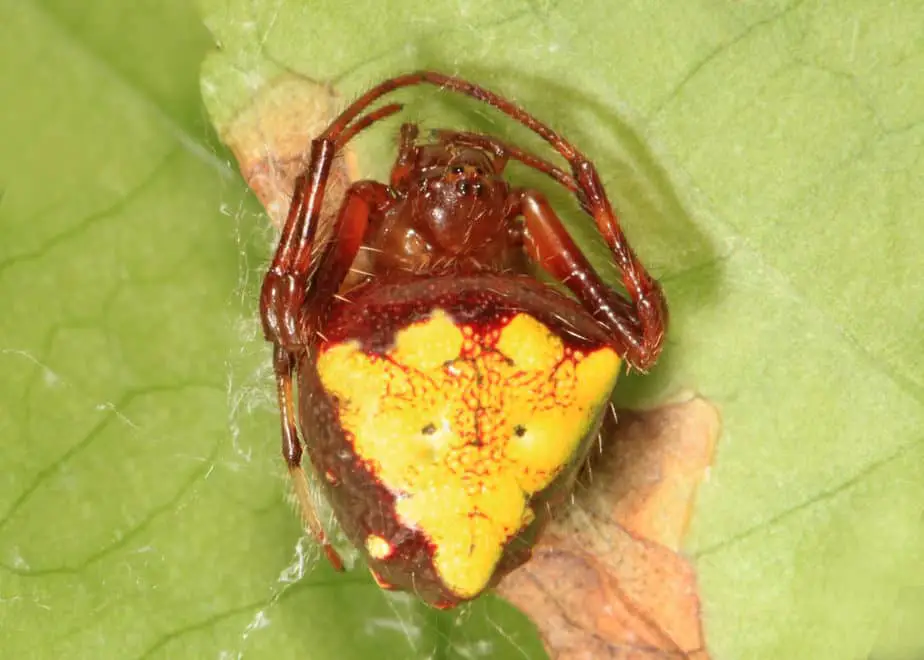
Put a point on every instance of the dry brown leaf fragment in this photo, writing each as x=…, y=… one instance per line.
x=271, y=140
x=607, y=579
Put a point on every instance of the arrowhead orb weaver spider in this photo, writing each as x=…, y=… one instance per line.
x=446, y=396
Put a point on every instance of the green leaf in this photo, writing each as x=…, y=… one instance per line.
x=766, y=162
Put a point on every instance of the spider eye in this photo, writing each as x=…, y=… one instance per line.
x=457, y=169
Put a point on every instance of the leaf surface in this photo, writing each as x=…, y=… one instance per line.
x=766, y=161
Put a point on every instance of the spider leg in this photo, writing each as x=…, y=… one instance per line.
x=549, y=245
x=285, y=289
x=366, y=121
x=341, y=123
x=292, y=452
x=352, y=221
x=650, y=307
x=286, y=281
x=362, y=207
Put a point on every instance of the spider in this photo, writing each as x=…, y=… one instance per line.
x=446, y=396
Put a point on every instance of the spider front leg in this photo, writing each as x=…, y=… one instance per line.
x=362, y=199
x=637, y=333
x=285, y=283
x=285, y=303
x=281, y=299
x=651, y=315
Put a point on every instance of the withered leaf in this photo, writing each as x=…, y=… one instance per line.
x=608, y=580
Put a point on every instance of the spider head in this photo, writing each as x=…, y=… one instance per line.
x=461, y=195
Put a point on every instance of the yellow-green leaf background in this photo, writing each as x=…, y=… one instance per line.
x=768, y=162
